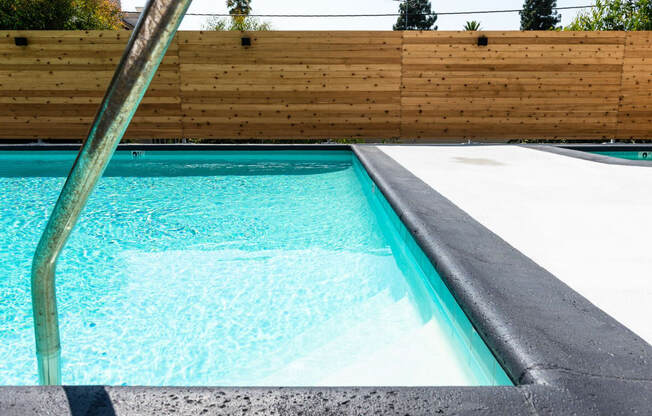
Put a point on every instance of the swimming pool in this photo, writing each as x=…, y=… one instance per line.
x=628, y=154
x=231, y=268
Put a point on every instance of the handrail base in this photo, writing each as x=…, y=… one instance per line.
x=49, y=370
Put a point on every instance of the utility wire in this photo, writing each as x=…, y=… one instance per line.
x=379, y=14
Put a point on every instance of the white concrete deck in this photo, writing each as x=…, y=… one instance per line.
x=589, y=224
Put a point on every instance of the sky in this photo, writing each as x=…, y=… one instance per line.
x=502, y=21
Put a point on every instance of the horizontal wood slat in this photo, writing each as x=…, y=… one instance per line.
x=427, y=86
x=291, y=84
x=635, y=112
x=51, y=88
x=453, y=88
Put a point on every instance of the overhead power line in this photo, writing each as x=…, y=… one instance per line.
x=379, y=14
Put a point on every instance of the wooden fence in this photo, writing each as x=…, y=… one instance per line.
x=424, y=86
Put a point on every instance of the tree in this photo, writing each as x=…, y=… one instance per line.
x=248, y=24
x=472, y=25
x=615, y=15
x=539, y=15
x=239, y=20
x=239, y=6
x=59, y=14
x=415, y=15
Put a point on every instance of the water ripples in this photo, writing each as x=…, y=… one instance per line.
x=201, y=279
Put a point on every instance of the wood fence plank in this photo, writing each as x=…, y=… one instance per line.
x=435, y=86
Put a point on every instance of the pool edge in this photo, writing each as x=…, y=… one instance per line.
x=540, y=330
x=583, y=152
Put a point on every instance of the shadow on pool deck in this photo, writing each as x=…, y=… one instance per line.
x=86, y=400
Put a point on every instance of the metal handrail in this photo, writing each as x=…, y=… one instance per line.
x=147, y=46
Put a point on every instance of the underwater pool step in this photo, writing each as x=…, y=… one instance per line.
x=390, y=354
x=329, y=343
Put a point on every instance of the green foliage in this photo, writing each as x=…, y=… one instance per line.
x=236, y=21
x=59, y=14
x=248, y=24
x=34, y=14
x=239, y=6
x=539, y=15
x=419, y=16
x=472, y=25
x=615, y=15
x=95, y=14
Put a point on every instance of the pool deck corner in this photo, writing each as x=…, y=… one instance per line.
x=543, y=332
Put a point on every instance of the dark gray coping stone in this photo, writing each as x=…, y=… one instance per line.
x=564, y=354
x=99, y=400
x=582, y=152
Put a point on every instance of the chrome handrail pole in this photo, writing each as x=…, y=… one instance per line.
x=147, y=46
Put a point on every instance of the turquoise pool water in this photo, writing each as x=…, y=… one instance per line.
x=629, y=154
x=231, y=268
